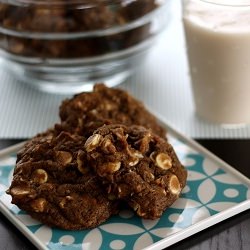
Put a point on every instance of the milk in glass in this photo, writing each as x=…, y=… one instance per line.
x=218, y=45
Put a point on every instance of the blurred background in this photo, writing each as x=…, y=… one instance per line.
x=162, y=83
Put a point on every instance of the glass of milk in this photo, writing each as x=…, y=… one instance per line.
x=218, y=46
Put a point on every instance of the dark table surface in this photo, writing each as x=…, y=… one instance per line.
x=233, y=233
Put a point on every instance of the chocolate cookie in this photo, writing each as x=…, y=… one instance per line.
x=86, y=112
x=137, y=166
x=69, y=17
x=51, y=184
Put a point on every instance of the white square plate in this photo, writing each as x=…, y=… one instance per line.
x=215, y=191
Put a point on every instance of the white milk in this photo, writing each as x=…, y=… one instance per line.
x=218, y=45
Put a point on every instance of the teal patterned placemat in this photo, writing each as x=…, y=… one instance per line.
x=211, y=189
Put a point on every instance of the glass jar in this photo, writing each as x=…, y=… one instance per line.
x=65, y=46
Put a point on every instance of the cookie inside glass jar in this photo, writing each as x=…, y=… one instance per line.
x=38, y=29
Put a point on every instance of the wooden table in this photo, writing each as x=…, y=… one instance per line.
x=234, y=233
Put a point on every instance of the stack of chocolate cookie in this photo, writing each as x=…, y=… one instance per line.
x=107, y=150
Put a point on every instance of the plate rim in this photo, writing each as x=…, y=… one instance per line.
x=200, y=226
x=21, y=227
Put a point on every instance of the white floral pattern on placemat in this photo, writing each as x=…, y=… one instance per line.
x=210, y=189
